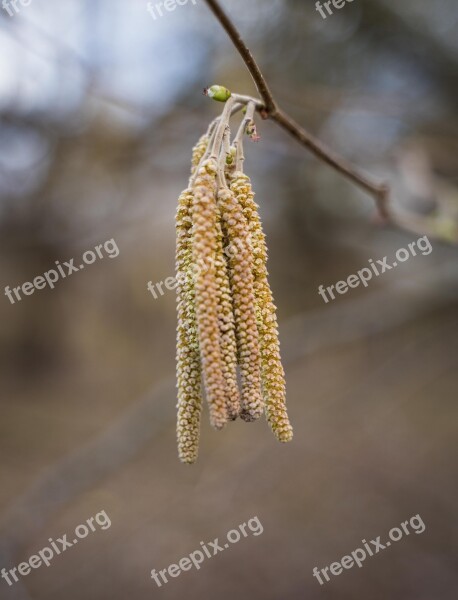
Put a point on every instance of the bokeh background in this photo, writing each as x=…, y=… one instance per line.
x=100, y=105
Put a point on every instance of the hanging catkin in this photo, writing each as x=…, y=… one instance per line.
x=205, y=244
x=273, y=376
x=241, y=278
x=227, y=323
x=188, y=357
x=227, y=327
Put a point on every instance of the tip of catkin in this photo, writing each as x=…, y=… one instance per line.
x=283, y=431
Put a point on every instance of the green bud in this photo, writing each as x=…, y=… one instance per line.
x=230, y=157
x=218, y=93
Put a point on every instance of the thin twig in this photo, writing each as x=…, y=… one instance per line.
x=248, y=59
x=270, y=109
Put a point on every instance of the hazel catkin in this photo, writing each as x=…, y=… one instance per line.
x=188, y=357
x=227, y=323
x=205, y=244
x=273, y=376
x=241, y=279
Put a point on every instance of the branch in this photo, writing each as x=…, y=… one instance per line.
x=271, y=110
x=248, y=58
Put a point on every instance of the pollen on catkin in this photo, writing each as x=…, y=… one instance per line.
x=273, y=376
x=227, y=325
x=205, y=245
x=241, y=278
x=198, y=152
x=227, y=328
x=188, y=357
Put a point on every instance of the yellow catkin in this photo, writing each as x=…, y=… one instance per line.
x=198, y=151
x=205, y=245
x=273, y=376
x=227, y=328
x=241, y=279
x=188, y=357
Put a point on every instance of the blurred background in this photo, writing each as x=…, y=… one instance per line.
x=100, y=105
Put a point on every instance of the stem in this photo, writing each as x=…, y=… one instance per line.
x=225, y=150
x=237, y=106
x=211, y=132
x=248, y=59
x=221, y=128
x=238, y=141
x=269, y=109
x=227, y=141
x=245, y=99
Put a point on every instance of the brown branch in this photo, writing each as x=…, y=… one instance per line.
x=271, y=110
x=248, y=58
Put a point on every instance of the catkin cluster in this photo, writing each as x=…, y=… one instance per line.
x=227, y=334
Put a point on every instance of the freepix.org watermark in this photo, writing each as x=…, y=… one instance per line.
x=48, y=553
x=157, y=10
x=12, y=7
x=328, y=5
x=207, y=550
x=109, y=248
x=171, y=283
x=376, y=268
x=358, y=556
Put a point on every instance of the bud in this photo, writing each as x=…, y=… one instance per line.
x=252, y=132
x=218, y=93
x=230, y=156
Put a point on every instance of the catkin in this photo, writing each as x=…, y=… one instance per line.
x=227, y=323
x=188, y=358
x=273, y=377
x=227, y=328
x=241, y=278
x=198, y=151
x=205, y=245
